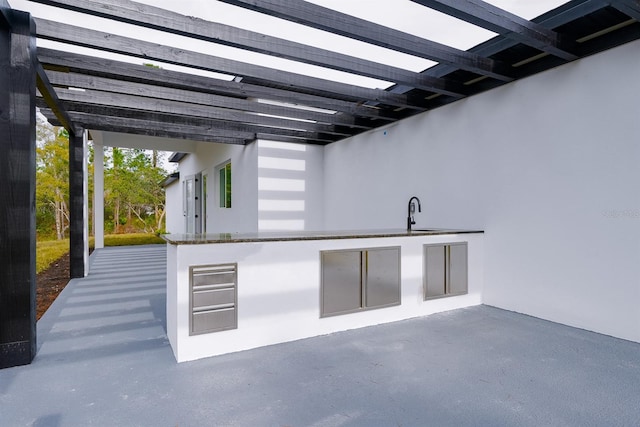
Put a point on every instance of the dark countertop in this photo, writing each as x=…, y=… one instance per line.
x=285, y=236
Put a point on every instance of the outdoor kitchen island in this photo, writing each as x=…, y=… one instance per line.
x=232, y=292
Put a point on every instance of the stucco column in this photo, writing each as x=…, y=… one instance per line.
x=98, y=194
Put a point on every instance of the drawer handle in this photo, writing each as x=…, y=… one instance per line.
x=197, y=288
x=213, y=272
x=212, y=308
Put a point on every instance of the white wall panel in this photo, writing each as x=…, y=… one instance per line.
x=547, y=165
x=174, y=220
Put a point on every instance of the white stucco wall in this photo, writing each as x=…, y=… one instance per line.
x=174, y=220
x=275, y=186
x=547, y=166
x=242, y=216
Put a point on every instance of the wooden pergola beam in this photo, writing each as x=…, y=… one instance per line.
x=5, y=18
x=155, y=126
x=570, y=12
x=628, y=7
x=485, y=15
x=159, y=129
x=91, y=100
x=351, y=113
x=99, y=117
x=78, y=228
x=51, y=97
x=79, y=36
x=17, y=188
x=171, y=22
x=501, y=43
x=145, y=91
x=82, y=110
x=152, y=127
x=349, y=26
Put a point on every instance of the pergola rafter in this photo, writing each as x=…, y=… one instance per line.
x=102, y=86
x=628, y=7
x=500, y=21
x=577, y=15
x=273, y=102
x=125, y=72
x=350, y=26
x=98, y=112
x=175, y=23
x=91, y=100
x=155, y=128
x=51, y=97
x=148, y=51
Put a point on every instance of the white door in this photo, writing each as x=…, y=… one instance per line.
x=205, y=214
x=192, y=204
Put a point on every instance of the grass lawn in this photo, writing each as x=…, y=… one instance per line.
x=49, y=251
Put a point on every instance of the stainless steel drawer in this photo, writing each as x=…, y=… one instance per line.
x=213, y=278
x=213, y=297
x=214, y=320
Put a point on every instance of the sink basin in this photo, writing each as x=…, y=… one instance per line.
x=424, y=230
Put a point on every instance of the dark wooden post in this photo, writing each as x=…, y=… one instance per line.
x=17, y=188
x=77, y=198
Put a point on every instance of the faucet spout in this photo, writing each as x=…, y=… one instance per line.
x=411, y=209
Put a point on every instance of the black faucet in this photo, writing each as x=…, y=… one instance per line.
x=411, y=208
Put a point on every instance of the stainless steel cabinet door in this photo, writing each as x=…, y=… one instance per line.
x=445, y=270
x=341, y=289
x=457, y=268
x=435, y=271
x=382, y=277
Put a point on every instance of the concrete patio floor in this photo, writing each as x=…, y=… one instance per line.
x=104, y=360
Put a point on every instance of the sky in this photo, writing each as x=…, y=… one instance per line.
x=403, y=15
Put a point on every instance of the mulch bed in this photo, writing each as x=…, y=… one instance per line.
x=49, y=284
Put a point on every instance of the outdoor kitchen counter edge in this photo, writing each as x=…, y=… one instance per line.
x=284, y=236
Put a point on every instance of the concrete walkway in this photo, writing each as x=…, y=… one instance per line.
x=104, y=360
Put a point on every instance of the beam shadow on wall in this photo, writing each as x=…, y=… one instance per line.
x=282, y=186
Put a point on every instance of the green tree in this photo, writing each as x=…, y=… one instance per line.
x=134, y=199
x=133, y=194
x=146, y=200
x=52, y=189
